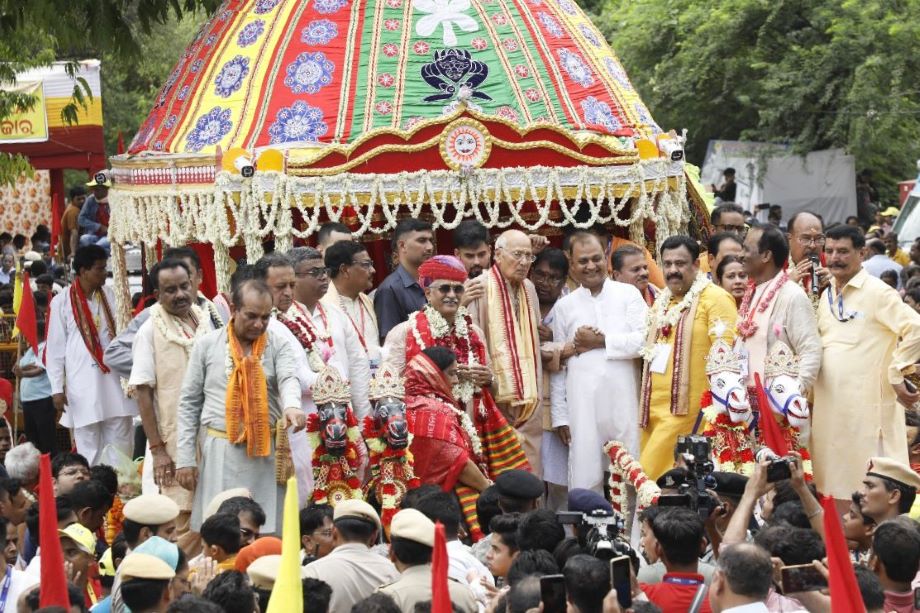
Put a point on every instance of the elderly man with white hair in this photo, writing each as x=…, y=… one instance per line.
x=22, y=463
x=508, y=314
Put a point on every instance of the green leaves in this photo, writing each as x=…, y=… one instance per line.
x=819, y=74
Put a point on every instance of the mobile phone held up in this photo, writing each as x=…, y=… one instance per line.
x=779, y=470
x=552, y=593
x=619, y=579
x=802, y=578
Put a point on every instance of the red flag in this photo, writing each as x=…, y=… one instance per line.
x=845, y=594
x=121, y=143
x=53, y=581
x=440, y=594
x=56, y=214
x=25, y=319
x=772, y=436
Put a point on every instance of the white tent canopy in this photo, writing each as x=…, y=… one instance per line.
x=821, y=181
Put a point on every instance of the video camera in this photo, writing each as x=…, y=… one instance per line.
x=696, y=452
x=598, y=532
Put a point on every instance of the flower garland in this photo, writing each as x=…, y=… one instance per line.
x=732, y=447
x=202, y=327
x=624, y=469
x=392, y=471
x=458, y=340
x=746, y=326
x=335, y=476
x=114, y=519
x=308, y=337
x=665, y=318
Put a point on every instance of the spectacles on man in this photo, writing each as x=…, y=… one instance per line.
x=324, y=532
x=805, y=241
x=365, y=264
x=742, y=229
x=447, y=288
x=317, y=273
x=522, y=256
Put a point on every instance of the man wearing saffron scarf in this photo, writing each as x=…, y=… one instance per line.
x=81, y=325
x=161, y=353
x=689, y=315
x=241, y=381
x=509, y=314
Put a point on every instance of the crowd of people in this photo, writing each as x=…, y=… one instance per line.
x=504, y=368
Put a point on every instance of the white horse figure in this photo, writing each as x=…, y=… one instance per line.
x=782, y=385
x=724, y=370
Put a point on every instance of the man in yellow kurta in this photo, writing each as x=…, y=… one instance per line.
x=855, y=414
x=688, y=316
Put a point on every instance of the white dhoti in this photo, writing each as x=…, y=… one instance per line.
x=91, y=440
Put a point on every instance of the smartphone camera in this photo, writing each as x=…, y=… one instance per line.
x=779, y=470
x=552, y=594
x=620, y=580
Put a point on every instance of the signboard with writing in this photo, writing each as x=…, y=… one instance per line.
x=30, y=126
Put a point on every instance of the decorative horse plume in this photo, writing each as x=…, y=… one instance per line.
x=728, y=410
x=785, y=396
x=386, y=432
x=334, y=437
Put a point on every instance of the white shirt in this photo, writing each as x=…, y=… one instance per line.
x=754, y=607
x=463, y=562
x=879, y=263
x=597, y=393
x=92, y=395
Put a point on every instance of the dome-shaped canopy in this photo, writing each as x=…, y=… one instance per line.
x=294, y=73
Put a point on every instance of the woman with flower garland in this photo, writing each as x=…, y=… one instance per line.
x=445, y=445
x=688, y=316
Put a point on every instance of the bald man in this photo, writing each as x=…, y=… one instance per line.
x=508, y=313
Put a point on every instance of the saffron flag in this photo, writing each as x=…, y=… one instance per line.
x=845, y=594
x=287, y=594
x=53, y=591
x=440, y=593
x=772, y=436
x=26, y=319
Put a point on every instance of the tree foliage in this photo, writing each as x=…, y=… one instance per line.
x=36, y=33
x=818, y=74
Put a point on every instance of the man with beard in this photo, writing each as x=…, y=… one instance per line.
x=471, y=247
x=549, y=272
x=775, y=310
x=508, y=313
x=689, y=315
x=81, y=325
x=400, y=293
x=862, y=322
x=807, y=263
x=630, y=266
x=161, y=353
x=241, y=380
x=605, y=321
x=351, y=271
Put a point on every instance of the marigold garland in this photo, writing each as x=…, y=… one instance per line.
x=335, y=476
x=732, y=445
x=114, y=519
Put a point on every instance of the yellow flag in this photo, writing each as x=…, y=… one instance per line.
x=287, y=595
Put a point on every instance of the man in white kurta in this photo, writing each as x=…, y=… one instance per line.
x=202, y=418
x=82, y=324
x=871, y=339
x=161, y=352
x=595, y=398
x=778, y=309
x=351, y=273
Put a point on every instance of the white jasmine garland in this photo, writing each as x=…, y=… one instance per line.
x=157, y=314
x=439, y=327
x=660, y=316
x=467, y=424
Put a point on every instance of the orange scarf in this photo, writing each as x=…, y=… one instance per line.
x=247, y=397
